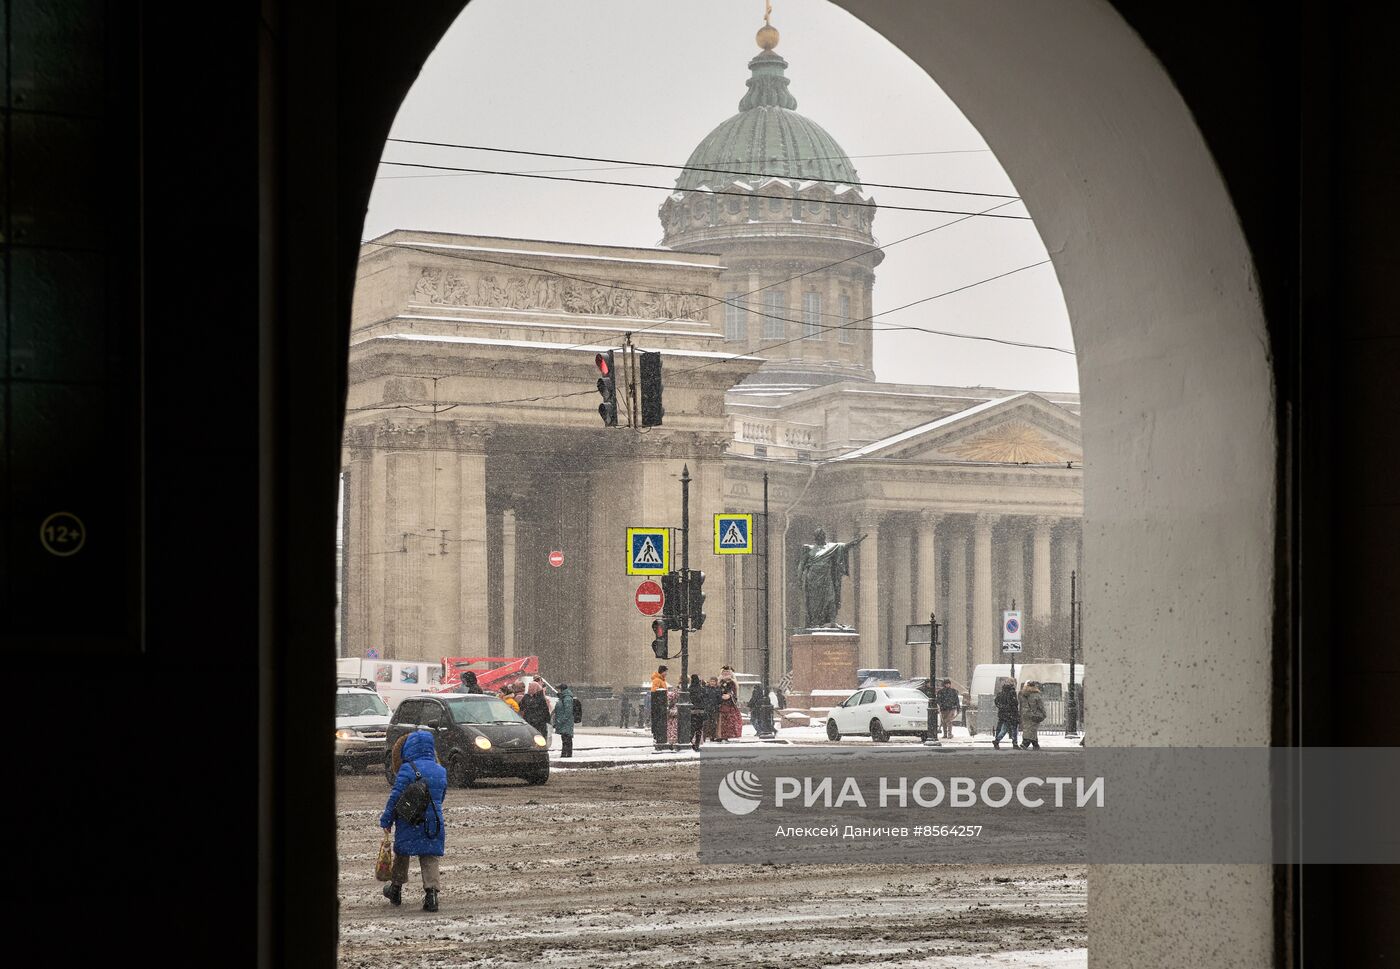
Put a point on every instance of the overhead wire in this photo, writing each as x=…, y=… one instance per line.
x=700, y=191
x=713, y=301
x=628, y=163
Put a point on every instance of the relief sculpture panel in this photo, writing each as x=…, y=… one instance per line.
x=539, y=291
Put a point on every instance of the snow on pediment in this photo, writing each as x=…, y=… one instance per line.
x=1020, y=429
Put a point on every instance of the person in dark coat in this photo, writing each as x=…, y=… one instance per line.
x=947, y=699
x=468, y=684
x=712, y=709
x=564, y=719
x=534, y=709
x=426, y=841
x=1008, y=715
x=625, y=715
x=699, y=693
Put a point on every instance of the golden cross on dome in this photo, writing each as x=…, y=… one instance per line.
x=767, y=10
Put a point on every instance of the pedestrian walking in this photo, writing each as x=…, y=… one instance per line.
x=698, y=693
x=731, y=723
x=469, y=683
x=625, y=714
x=658, y=707
x=947, y=699
x=712, y=709
x=1008, y=714
x=564, y=720
x=534, y=709
x=1032, y=710
x=415, y=756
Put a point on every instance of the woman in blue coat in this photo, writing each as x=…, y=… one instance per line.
x=427, y=840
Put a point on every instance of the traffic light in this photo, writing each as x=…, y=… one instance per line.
x=658, y=642
x=695, y=599
x=672, y=603
x=649, y=368
x=607, y=386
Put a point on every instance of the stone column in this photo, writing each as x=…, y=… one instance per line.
x=957, y=604
x=1067, y=547
x=926, y=590
x=868, y=615
x=901, y=599
x=984, y=620
x=472, y=589
x=1015, y=550
x=508, y=582
x=1040, y=567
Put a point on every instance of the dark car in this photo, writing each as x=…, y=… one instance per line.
x=478, y=736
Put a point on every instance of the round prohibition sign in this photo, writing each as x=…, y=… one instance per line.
x=649, y=598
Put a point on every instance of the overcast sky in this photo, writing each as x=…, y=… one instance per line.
x=646, y=80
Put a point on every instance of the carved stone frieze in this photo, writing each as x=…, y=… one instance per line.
x=438, y=286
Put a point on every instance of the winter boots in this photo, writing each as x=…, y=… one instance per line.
x=394, y=893
x=429, y=899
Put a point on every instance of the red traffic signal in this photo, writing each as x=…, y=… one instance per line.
x=658, y=628
x=604, y=362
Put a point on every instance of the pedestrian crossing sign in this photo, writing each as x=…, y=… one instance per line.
x=648, y=551
x=733, y=534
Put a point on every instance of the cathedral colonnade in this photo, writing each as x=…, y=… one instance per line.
x=965, y=568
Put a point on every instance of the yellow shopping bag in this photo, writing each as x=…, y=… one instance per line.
x=383, y=866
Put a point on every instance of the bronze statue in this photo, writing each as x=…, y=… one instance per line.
x=823, y=566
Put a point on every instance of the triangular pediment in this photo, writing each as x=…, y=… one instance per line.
x=1022, y=429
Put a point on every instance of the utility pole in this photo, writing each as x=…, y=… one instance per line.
x=764, y=710
x=683, y=692
x=1072, y=704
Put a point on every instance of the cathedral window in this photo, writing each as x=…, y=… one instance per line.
x=811, y=316
x=736, y=316
x=847, y=334
x=774, y=315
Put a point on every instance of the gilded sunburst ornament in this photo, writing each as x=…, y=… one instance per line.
x=1013, y=443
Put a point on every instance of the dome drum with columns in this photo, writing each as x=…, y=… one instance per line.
x=793, y=206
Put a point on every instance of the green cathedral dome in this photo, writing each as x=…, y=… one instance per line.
x=767, y=137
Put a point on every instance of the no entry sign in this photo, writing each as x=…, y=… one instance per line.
x=556, y=558
x=649, y=598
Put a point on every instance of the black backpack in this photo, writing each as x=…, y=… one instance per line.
x=578, y=711
x=413, y=803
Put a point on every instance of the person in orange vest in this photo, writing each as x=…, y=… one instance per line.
x=658, y=707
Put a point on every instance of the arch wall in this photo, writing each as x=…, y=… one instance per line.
x=1178, y=414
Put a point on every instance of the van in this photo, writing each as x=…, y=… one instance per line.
x=1054, y=687
x=393, y=679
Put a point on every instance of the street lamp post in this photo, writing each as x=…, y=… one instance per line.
x=931, y=740
x=763, y=710
x=683, y=689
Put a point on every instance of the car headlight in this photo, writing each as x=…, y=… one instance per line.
x=345, y=734
x=540, y=741
x=482, y=743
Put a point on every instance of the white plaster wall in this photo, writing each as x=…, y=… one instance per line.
x=1178, y=416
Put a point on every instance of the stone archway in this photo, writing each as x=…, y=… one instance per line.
x=1178, y=411
x=1178, y=418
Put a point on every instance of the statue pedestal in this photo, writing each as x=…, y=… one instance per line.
x=825, y=659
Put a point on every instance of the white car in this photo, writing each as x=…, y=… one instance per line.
x=881, y=713
x=361, y=722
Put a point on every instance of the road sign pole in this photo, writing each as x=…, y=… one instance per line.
x=1013, y=655
x=764, y=711
x=683, y=691
x=931, y=737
